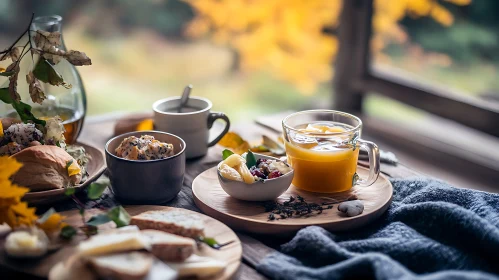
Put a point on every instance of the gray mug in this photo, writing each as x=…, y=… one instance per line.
x=193, y=124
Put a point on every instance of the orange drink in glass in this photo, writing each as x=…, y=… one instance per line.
x=323, y=147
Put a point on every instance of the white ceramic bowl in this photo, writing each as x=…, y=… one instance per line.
x=269, y=189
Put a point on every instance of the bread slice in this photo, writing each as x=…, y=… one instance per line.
x=74, y=267
x=44, y=168
x=172, y=221
x=125, y=266
x=167, y=246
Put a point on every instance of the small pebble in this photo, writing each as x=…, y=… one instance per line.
x=351, y=208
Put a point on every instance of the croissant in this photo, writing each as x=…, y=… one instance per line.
x=45, y=167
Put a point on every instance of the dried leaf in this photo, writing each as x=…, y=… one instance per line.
x=51, y=221
x=15, y=53
x=146, y=124
x=53, y=54
x=78, y=58
x=35, y=88
x=234, y=142
x=14, y=67
x=35, y=51
x=231, y=140
x=47, y=44
x=44, y=40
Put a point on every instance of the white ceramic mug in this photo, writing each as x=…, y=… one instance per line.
x=192, y=124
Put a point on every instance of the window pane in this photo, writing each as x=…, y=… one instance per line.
x=451, y=43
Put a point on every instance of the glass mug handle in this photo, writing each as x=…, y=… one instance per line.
x=212, y=117
x=374, y=165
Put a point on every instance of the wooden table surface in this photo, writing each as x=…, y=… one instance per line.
x=98, y=130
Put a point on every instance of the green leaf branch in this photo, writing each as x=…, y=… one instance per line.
x=118, y=215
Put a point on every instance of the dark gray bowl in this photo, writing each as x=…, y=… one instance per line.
x=146, y=181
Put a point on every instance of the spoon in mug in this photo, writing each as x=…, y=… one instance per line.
x=184, y=98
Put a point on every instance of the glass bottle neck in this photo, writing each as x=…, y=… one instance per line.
x=48, y=23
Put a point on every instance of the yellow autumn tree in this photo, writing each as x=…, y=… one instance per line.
x=286, y=37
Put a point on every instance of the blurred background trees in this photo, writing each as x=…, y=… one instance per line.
x=267, y=55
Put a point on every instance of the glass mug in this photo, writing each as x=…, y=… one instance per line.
x=323, y=146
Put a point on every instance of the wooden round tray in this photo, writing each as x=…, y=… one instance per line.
x=213, y=228
x=251, y=216
x=96, y=166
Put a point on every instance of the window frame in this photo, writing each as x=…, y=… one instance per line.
x=355, y=76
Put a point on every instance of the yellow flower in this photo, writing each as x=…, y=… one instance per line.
x=18, y=214
x=8, y=167
x=10, y=194
x=12, y=211
x=53, y=223
x=25, y=215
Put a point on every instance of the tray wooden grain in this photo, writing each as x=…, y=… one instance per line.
x=213, y=228
x=251, y=216
x=96, y=166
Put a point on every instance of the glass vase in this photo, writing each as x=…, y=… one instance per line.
x=70, y=104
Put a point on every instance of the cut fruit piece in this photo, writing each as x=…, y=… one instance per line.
x=230, y=173
x=322, y=128
x=245, y=174
x=235, y=160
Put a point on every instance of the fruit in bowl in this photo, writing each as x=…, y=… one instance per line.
x=253, y=177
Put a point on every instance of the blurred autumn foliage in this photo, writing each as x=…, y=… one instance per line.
x=286, y=38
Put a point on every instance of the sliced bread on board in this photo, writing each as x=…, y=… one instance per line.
x=171, y=221
x=167, y=246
